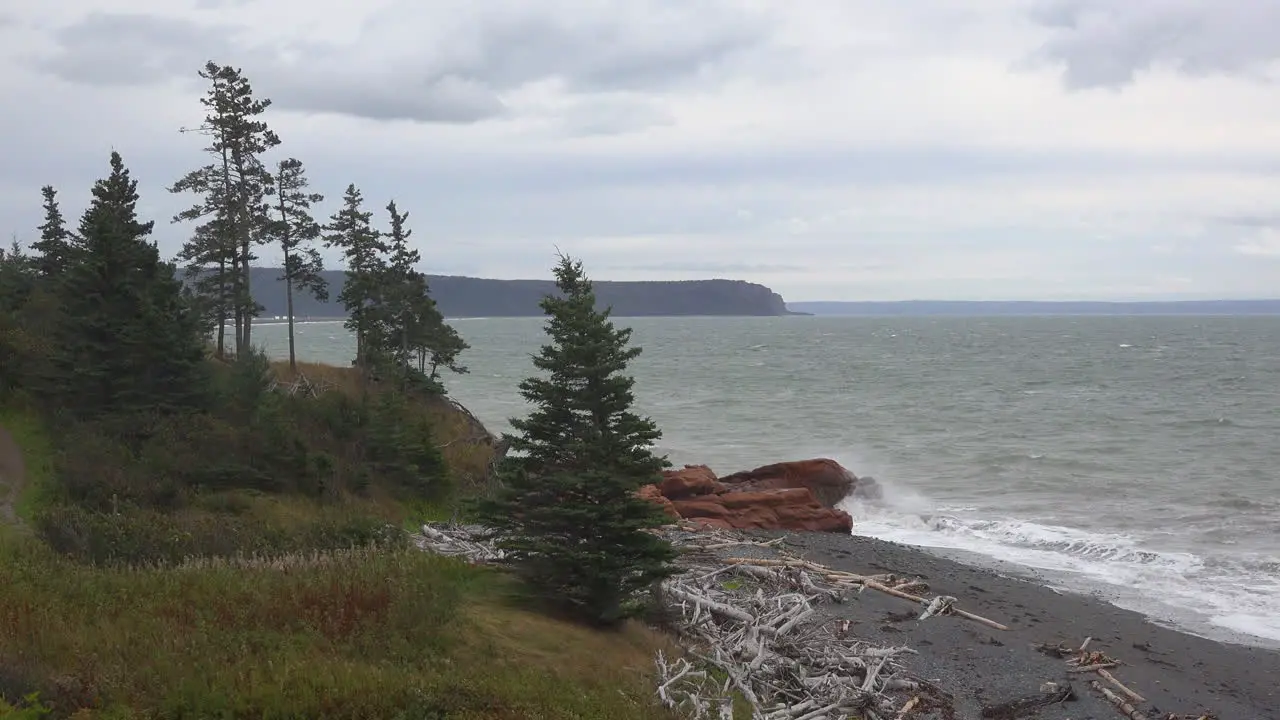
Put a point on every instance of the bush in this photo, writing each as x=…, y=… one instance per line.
x=323, y=447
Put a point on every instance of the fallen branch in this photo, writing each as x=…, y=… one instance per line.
x=1091, y=668
x=1121, y=686
x=1125, y=708
x=917, y=599
x=906, y=709
x=1024, y=706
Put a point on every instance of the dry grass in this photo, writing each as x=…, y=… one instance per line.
x=355, y=634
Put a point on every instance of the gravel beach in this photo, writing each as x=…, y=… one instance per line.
x=1177, y=673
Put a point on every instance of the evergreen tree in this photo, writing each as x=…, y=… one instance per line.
x=351, y=230
x=207, y=262
x=296, y=231
x=16, y=281
x=418, y=331
x=232, y=189
x=127, y=340
x=54, y=246
x=566, y=512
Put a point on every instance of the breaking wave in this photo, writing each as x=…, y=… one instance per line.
x=1207, y=594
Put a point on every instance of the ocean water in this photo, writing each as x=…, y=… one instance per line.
x=1134, y=458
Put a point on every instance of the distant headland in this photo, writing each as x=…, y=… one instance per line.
x=460, y=297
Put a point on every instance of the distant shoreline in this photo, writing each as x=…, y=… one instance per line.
x=973, y=315
x=1039, y=308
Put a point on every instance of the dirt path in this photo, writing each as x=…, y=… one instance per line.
x=12, y=474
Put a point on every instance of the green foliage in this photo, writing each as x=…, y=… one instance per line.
x=28, y=708
x=53, y=249
x=351, y=230
x=567, y=512
x=126, y=340
x=400, y=333
x=255, y=438
x=296, y=231
x=39, y=487
x=418, y=336
x=231, y=191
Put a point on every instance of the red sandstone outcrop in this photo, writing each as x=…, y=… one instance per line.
x=786, y=496
x=689, y=481
x=828, y=480
x=652, y=493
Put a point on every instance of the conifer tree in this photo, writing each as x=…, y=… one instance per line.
x=351, y=230
x=232, y=189
x=53, y=249
x=296, y=231
x=418, y=331
x=16, y=281
x=566, y=512
x=128, y=342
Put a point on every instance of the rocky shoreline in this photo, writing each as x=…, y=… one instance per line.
x=1178, y=675
x=988, y=646
x=797, y=495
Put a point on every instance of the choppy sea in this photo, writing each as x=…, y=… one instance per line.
x=1133, y=458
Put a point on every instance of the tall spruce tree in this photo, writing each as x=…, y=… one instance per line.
x=418, y=331
x=566, y=511
x=351, y=230
x=53, y=249
x=232, y=189
x=128, y=341
x=402, y=293
x=296, y=232
x=17, y=277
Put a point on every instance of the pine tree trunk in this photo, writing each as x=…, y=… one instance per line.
x=222, y=306
x=229, y=243
x=236, y=280
x=288, y=294
x=247, y=299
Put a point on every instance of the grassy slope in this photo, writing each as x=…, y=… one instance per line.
x=346, y=635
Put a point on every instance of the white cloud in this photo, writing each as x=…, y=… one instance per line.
x=831, y=149
x=1263, y=243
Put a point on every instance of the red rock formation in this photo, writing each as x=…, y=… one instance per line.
x=690, y=481
x=651, y=492
x=786, y=496
x=828, y=480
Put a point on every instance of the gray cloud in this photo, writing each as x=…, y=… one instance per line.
x=1250, y=221
x=133, y=49
x=1104, y=43
x=438, y=99
x=458, y=77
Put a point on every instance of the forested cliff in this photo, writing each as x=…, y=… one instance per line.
x=481, y=297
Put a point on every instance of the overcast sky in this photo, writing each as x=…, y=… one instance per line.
x=831, y=149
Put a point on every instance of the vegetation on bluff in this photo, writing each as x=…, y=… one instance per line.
x=202, y=536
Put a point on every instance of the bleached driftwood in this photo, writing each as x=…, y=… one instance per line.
x=1121, y=686
x=458, y=541
x=752, y=628
x=1082, y=660
x=756, y=622
x=1125, y=708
